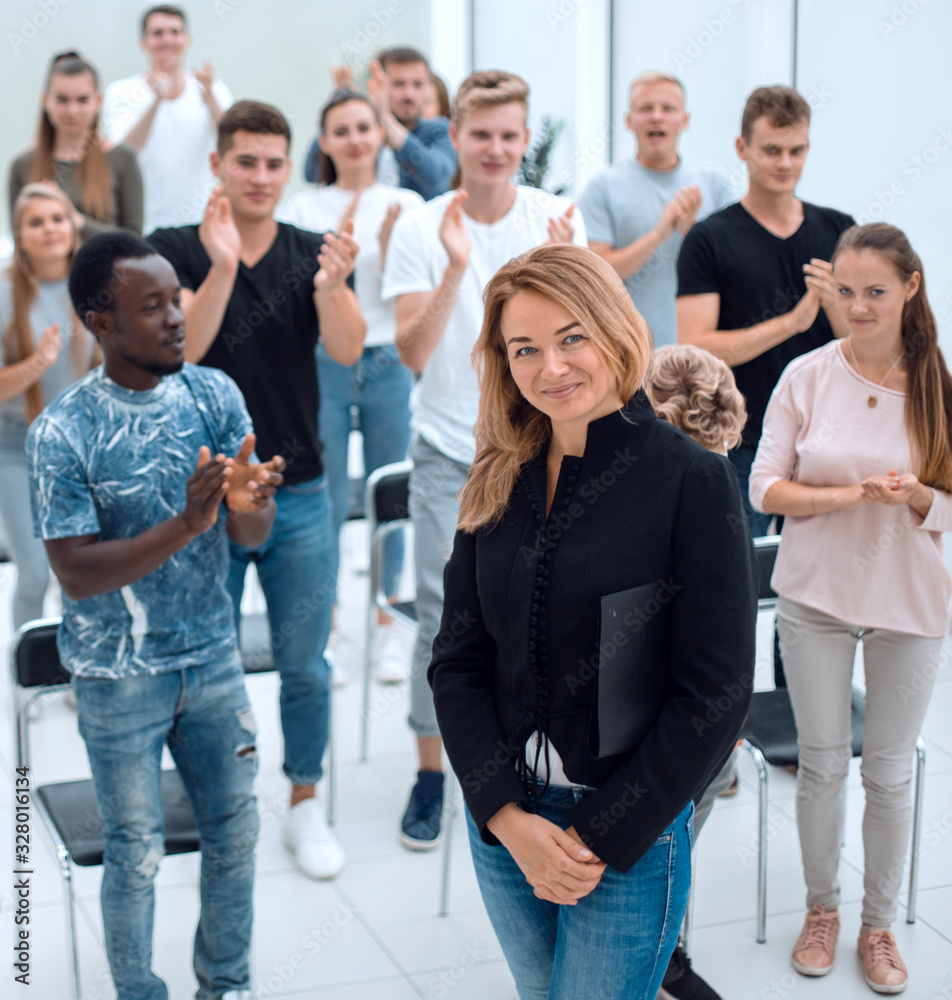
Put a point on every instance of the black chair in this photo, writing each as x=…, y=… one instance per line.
x=68, y=809
x=770, y=737
x=387, y=508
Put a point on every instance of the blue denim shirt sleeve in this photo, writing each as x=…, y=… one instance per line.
x=311, y=161
x=427, y=159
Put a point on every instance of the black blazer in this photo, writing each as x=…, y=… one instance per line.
x=644, y=507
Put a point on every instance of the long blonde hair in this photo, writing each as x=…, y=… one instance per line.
x=92, y=173
x=510, y=430
x=18, y=343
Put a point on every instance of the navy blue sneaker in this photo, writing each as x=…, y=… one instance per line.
x=420, y=827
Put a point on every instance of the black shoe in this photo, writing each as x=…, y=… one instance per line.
x=420, y=826
x=682, y=982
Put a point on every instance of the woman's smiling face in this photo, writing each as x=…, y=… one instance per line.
x=554, y=362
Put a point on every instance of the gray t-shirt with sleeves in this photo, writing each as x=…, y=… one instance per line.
x=113, y=462
x=50, y=306
x=624, y=201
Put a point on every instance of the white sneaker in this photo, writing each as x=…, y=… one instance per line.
x=391, y=657
x=336, y=655
x=236, y=995
x=316, y=850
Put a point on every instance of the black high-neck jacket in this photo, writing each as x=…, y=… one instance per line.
x=519, y=645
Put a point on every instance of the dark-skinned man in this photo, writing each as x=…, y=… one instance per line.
x=140, y=474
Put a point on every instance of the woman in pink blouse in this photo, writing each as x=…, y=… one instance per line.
x=856, y=454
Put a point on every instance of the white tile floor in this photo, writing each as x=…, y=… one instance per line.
x=374, y=933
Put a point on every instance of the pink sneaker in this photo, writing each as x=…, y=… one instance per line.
x=815, y=949
x=885, y=972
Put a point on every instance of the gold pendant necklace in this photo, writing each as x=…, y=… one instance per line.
x=873, y=398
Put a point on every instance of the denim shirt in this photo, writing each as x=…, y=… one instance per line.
x=427, y=159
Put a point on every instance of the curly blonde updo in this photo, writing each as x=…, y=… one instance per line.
x=696, y=392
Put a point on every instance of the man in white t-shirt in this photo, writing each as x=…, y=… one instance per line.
x=637, y=211
x=168, y=115
x=440, y=258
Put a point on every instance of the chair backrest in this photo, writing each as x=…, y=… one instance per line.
x=35, y=658
x=388, y=494
x=766, y=548
x=34, y=664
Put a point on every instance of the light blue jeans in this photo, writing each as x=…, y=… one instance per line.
x=26, y=551
x=379, y=386
x=614, y=944
x=296, y=569
x=203, y=715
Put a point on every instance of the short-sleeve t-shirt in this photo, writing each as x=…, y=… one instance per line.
x=113, y=462
x=267, y=339
x=759, y=276
x=624, y=202
x=446, y=398
x=322, y=210
x=174, y=160
x=50, y=306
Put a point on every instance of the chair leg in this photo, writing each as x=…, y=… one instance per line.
x=762, y=847
x=916, y=831
x=449, y=814
x=331, y=762
x=66, y=871
x=368, y=651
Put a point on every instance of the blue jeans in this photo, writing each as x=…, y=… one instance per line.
x=379, y=386
x=203, y=715
x=295, y=567
x=615, y=944
x=742, y=458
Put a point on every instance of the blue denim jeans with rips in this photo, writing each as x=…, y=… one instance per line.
x=203, y=715
x=296, y=567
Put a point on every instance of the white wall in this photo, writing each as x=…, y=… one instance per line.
x=881, y=143
x=876, y=71
x=562, y=57
x=278, y=51
x=721, y=50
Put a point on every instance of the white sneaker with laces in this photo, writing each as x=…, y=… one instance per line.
x=391, y=658
x=317, y=852
x=236, y=995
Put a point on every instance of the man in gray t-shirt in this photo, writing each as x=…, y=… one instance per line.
x=637, y=211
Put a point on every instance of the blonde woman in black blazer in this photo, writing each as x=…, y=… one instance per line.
x=595, y=660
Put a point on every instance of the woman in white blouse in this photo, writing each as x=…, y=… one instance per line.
x=857, y=455
x=378, y=384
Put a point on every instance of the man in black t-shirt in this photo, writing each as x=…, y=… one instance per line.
x=755, y=286
x=257, y=294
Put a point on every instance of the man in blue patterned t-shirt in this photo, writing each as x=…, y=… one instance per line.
x=129, y=470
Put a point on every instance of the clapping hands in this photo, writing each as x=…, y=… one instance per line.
x=219, y=234
x=252, y=484
x=336, y=258
x=560, y=227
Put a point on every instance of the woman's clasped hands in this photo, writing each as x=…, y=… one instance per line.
x=555, y=862
x=894, y=489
